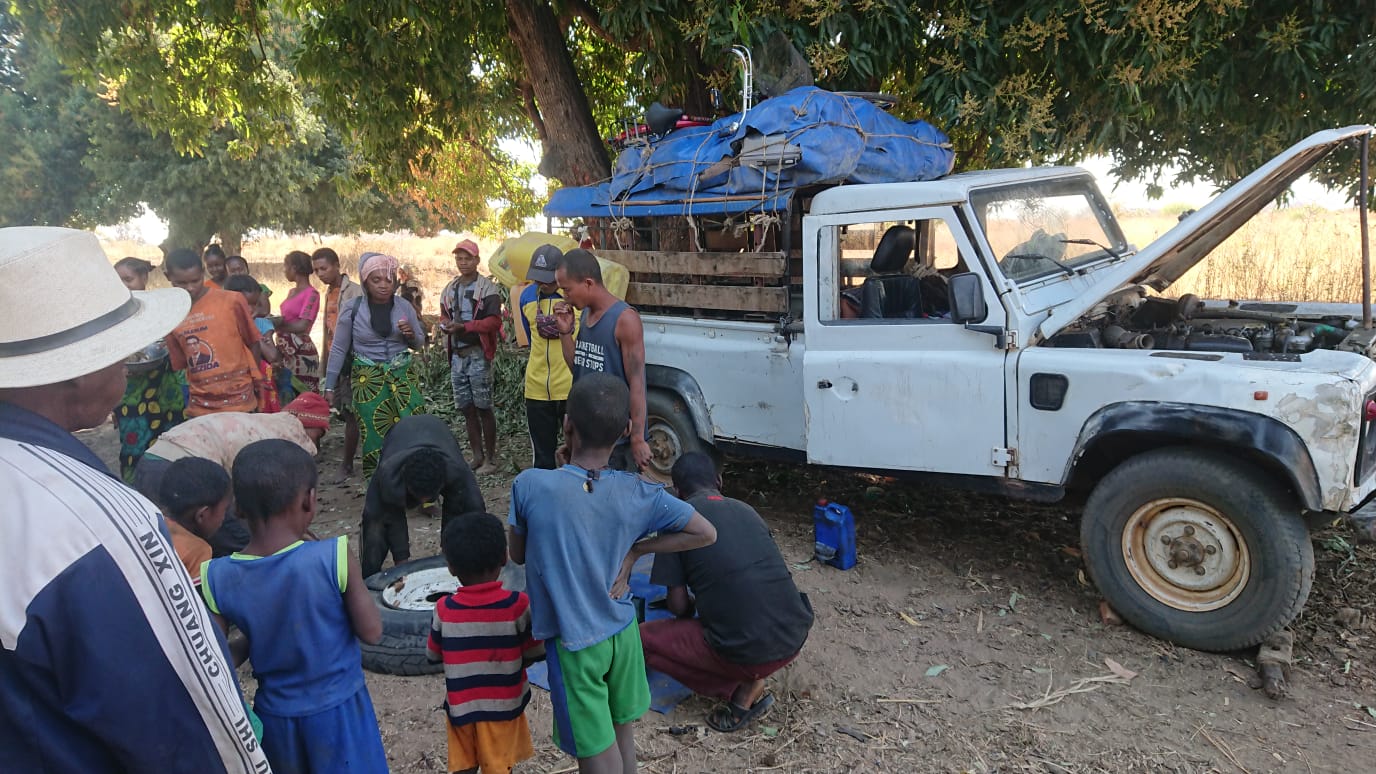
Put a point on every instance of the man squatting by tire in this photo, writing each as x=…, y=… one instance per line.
x=420, y=466
x=751, y=620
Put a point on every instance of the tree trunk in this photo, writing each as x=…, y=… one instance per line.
x=185, y=232
x=573, y=150
x=232, y=241
x=697, y=98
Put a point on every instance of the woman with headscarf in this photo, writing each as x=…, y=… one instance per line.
x=154, y=394
x=300, y=372
x=372, y=349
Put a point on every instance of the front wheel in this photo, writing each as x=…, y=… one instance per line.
x=1197, y=548
x=670, y=432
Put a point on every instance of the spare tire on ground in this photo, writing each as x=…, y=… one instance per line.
x=406, y=596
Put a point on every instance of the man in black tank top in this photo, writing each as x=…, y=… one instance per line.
x=610, y=340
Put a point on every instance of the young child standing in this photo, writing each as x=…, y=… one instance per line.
x=572, y=525
x=303, y=607
x=269, y=401
x=194, y=496
x=252, y=291
x=482, y=635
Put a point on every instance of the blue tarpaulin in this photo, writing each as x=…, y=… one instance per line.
x=829, y=138
x=584, y=201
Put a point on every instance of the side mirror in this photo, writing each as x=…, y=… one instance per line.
x=965, y=294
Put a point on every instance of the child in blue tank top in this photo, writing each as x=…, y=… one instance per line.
x=302, y=607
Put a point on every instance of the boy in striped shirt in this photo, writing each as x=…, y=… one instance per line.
x=482, y=635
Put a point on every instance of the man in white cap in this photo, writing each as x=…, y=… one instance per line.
x=108, y=662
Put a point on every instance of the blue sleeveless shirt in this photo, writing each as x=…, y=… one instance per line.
x=596, y=350
x=291, y=607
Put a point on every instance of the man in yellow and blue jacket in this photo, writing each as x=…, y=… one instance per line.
x=547, y=375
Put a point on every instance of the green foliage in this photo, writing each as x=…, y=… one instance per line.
x=426, y=90
x=43, y=138
x=508, y=387
x=69, y=157
x=1215, y=88
x=186, y=67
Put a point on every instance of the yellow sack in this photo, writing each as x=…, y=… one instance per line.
x=508, y=265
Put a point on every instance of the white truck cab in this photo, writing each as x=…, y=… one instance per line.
x=994, y=330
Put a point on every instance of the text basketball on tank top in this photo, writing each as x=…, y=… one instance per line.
x=595, y=349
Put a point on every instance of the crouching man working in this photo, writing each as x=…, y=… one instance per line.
x=752, y=620
x=420, y=467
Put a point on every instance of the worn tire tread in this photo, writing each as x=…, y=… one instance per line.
x=1282, y=557
x=405, y=633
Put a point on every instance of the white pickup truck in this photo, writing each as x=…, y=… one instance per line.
x=995, y=330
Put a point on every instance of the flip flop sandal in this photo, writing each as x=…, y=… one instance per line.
x=729, y=717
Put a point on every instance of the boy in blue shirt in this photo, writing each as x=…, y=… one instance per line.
x=569, y=525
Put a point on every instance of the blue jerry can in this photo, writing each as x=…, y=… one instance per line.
x=834, y=532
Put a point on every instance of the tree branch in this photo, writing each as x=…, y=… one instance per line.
x=584, y=10
x=533, y=110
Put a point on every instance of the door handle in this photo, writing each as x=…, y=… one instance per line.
x=824, y=384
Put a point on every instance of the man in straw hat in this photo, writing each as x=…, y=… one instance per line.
x=107, y=662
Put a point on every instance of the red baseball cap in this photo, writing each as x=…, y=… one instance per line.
x=467, y=246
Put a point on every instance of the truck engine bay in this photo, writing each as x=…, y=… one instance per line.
x=1132, y=319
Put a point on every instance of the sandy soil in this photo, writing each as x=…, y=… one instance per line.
x=966, y=639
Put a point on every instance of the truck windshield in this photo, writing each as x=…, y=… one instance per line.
x=1044, y=228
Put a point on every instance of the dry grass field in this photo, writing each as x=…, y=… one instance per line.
x=1291, y=254
x=1296, y=253
x=430, y=258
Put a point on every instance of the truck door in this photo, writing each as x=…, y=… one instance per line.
x=887, y=385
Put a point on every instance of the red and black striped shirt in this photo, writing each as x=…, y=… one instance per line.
x=482, y=635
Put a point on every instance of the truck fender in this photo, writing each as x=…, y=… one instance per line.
x=1120, y=430
x=682, y=384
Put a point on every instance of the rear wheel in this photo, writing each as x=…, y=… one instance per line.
x=1197, y=548
x=406, y=596
x=671, y=434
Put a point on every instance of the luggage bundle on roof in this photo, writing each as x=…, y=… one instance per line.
x=754, y=162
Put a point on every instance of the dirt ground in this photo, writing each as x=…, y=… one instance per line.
x=966, y=640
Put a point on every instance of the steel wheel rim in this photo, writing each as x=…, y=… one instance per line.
x=1212, y=561
x=419, y=590
x=665, y=448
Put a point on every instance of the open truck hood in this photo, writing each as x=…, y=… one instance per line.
x=1172, y=254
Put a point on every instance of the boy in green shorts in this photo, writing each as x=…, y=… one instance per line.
x=569, y=525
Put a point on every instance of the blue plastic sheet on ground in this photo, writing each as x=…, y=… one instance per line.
x=834, y=138
x=665, y=692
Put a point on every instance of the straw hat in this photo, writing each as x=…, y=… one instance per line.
x=100, y=323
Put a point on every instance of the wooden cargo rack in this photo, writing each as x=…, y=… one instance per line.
x=724, y=282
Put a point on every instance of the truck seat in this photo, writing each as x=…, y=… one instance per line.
x=890, y=293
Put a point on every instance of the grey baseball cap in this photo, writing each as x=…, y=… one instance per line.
x=543, y=262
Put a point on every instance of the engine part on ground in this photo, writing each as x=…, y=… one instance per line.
x=1273, y=663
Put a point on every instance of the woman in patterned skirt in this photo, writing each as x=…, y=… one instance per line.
x=154, y=395
x=374, y=336
x=300, y=371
